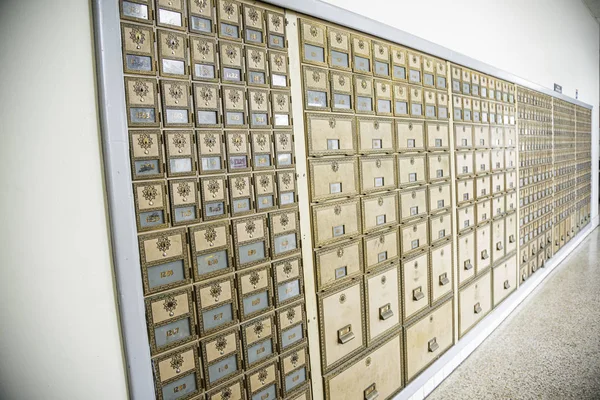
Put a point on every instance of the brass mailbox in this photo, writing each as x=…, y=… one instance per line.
x=150, y=205
x=231, y=57
x=289, y=281
x=281, y=109
x=415, y=285
x=263, y=382
x=379, y=210
x=399, y=63
x=185, y=200
x=337, y=264
x=336, y=221
x=259, y=340
x=482, y=136
x=229, y=19
x=440, y=198
x=361, y=50
x=383, y=98
x=257, y=73
x=164, y=260
x=207, y=107
x=211, y=250
x=178, y=373
x=217, y=305
x=278, y=66
x=381, y=57
x=410, y=135
x=234, y=107
x=339, y=48
x=285, y=232
x=171, y=14
x=262, y=151
x=381, y=248
x=141, y=96
x=255, y=288
x=136, y=10
x=171, y=320
x=295, y=370
x=138, y=46
x=400, y=100
x=314, y=42
x=338, y=178
x=172, y=54
x=382, y=297
x=254, y=24
x=259, y=110
x=176, y=103
x=146, y=154
x=251, y=240
x=284, y=149
x=202, y=16
x=276, y=30
x=291, y=326
x=364, y=94
x=203, y=51
x=265, y=191
x=286, y=188
x=342, y=92
x=181, y=160
x=238, y=151
x=213, y=190
x=241, y=194
x=316, y=88
x=221, y=357
x=377, y=173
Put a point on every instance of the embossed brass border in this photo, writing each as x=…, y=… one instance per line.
x=272, y=59
x=332, y=46
x=159, y=385
x=154, y=349
x=349, y=235
x=250, y=91
x=273, y=235
x=371, y=274
x=427, y=212
x=273, y=336
x=154, y=105
x=306, y=69
x=276, y=152
x=387, y=261
x=195, y=253
x=409, y=253
x=264, y=239
x=347, y=79
x=220, y=153
x=164, y=208
x=280, y=177
x=310, y=133
x=236, y=353
x=152, y=39
x=250, y=197
x=221, y=17
x=435, y=302
x=371, y=95
x=200, y=310
x=331, y=292
x=302, y=387
x=378, y=228
x=334, y=249
x=204, y=201
x=182, y=36
x=145, y=265
x=164, y=107
x=312, y=162
x=304, y=39
x=376, y=120
x=221, y=391
x=462, y=289
x=160, y=158
x=256, y=178
x=194, y=183
x=419, y=317
x=268, y=289
x=403, y=263
x=280, y=315
x=376, y=345
x=192, y=137
x=260, y=369
x=243, y=93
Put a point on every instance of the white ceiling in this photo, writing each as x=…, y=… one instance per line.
x=594, y=6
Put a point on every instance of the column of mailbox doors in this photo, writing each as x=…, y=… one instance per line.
x=209, y=112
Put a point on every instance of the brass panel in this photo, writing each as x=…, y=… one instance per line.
x=217, y=305
x=504, y=279
x=254, y=24
x=440, y=198
x=203, y=53
x=381, y=57
x=295, y=370
x=229, y=19
x=150, y=205
x=276, y=30
x=342, y=92
x=440, y=228
x=214, y=197
x=413, y=203
x=381, y=248
x=234, y=108
x=339, y=48
x=364, y=94
x=262, y=152
x=211, y=152
x=286, y=187
x=184, y=199
x=399, y=72
x=278, y=66
x=138, y=46
x=383, y=98
x=336, y=221
x=256, y=65
x=497, y=160
x=171, y=321
x=206, y=101
x=265, y=190
x=464, y=163
x=259, y=340
x=382, y=302
x=474, y=302
x=285, y=232
x=202, y=16
x=178, y=371
x=375, y=135
x=146, y=153
x=136, y=10
x=377, y=374
x=377, y=173
x=400, y=97
x=211, y=250
x=251, y=240
x=289, y=281
x=172, y=54
x=291, y=326
x=441, y=271
x=233, y=390
x=338, y=264
x=284, y=149
x=411, y=170
x=181, y=158
x=316, y=88
x=497, y=137
x=466, y=257
x=259, y=108
x=415, y=237
x=255, y=287
x=141, y=97
x=410, y=135
x=330, y=134
x=313, y=38
x=361, y=51
x=281, y=108
x=341, y=324
x=379, y=211
x=428, y=338
x=221, y=357
x=498, y=183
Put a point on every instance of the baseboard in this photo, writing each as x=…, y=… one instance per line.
x=443, y=367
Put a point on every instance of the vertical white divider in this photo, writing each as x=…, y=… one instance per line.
x=304, y=206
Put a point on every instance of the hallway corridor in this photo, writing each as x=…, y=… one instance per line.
x=549, y=348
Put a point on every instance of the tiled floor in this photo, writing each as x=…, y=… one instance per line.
x=549, y=348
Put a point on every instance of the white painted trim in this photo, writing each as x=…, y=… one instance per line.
x=443, y=367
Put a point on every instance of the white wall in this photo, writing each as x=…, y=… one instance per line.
x=543, y=41
x=58, y=319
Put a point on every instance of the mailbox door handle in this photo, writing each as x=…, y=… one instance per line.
x=385, y=312
x=477, y=308
x=345, y=334
x=432, y=345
